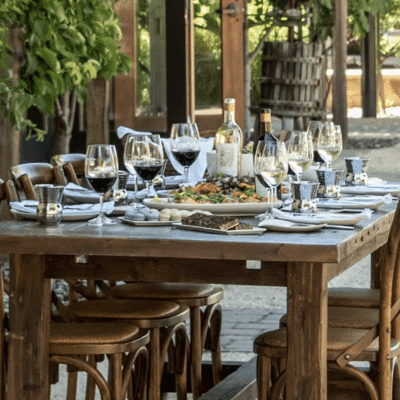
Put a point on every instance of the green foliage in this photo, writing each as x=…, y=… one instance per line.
x=66, y=43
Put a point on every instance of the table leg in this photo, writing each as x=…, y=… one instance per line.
x=307, y=327
x=30, y=296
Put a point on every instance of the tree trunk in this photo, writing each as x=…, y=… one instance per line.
x=63, y=123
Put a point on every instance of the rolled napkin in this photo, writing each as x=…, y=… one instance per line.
x=30, y=207
x=361, y=202
x=170, y=182
x=198, y=168
x=323, y=218
x=123, y=130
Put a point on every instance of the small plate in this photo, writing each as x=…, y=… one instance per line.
x=254, y=231
x=69, y=217
x=146, y=223
x=280, y=225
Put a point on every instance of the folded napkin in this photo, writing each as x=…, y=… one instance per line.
x=325, y=218
x=122, y=131
x=198, y=168
x=170, y=181
x=30, y=207
x=381, y=189
x=361, y=202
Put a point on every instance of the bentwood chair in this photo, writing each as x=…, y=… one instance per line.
x=205, y=317
x=71, y=343
x=73, y=165
x=367, y=338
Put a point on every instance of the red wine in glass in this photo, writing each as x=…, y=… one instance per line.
x=101, y=185
x=148, y=172
x=187, y=157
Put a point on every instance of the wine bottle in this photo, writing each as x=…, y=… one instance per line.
x=264, y=133
x=228, y=142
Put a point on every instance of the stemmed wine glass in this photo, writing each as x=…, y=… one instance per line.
x=313, y=129
x=101, y=172
x=300, y=152
x=161, y=176
x=143, y=157
x=271, y=163
x=330, y=143
x=185, y=145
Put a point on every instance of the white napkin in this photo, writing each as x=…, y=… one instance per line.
x=198, y=168
x=170, y=181
x=325, y=218
x=30, y=207
x=122, y=131
x=394, y=190
x=359, y=202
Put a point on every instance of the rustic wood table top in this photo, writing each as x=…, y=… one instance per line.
x=304, y=262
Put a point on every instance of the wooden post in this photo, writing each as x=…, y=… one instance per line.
x=233, y=54
x=180, y=53
x=368, y=64
x=97, y=107
x=340, y=55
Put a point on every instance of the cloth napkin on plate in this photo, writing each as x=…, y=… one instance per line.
x=198, y=168
x=380, y=189
x=122, y=131
x=30, y=207
x=323, y=218
x=352, y=202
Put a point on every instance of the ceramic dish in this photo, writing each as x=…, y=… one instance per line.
x=223, y=208
x=254, y=231
x=146, y=223
x=81, y=216
x=280, y=225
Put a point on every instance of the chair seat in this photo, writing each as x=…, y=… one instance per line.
x=348, y=317
x=354, y=297
x=143, y=313
x=190, y=294
x=101, y=333
x=339, y=339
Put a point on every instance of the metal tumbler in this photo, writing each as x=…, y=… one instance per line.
x=329, y=183
x=49, y=211
x=305, y=193
x=356, y=171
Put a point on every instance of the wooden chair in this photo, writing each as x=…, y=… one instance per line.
x=26, y=176
x=205, y=316
x=71, y=343
x=373, y=344
x=73, y=165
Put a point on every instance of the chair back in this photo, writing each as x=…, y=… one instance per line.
x=73, y=165
x=389, y=309
x=26, y=176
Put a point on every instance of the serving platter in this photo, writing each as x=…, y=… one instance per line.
x=219, y=208
x=254, y=231
x=146, y=223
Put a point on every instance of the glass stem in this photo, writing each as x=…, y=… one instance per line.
x=101, y=215
x=136, y=190
x=186, y=174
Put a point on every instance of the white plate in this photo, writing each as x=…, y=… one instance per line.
x=280, y=225
x=146, y=223
x=68, y=217
x=225, y=208
x=254, y=231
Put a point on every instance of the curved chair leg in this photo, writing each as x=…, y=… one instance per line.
x=90, y=383
x=211, y=326
x=181, y=349
x=196, y=351
x=85, y=366
x=155, y=365
x=139, y=385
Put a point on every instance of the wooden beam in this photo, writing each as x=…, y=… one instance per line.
x=340, y=55
x=368, y=65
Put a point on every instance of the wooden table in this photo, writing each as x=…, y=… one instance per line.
x=302, y=262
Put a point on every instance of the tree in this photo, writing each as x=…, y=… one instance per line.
x=66, y=43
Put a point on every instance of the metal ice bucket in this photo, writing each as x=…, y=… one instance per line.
x=356, y=171
x=49, y=211
x=305, y=193
x=329, y=183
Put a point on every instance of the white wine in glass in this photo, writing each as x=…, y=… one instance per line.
x=329, y=143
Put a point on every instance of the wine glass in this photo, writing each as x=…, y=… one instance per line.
x=185, y=145
x=329, y=143
x=144, y=158
x=271, y=163
x=101, y=172
x=313, y=129
x=300, y=152
x=160, y=178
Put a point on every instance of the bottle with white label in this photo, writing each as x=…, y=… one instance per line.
x=229, y=142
